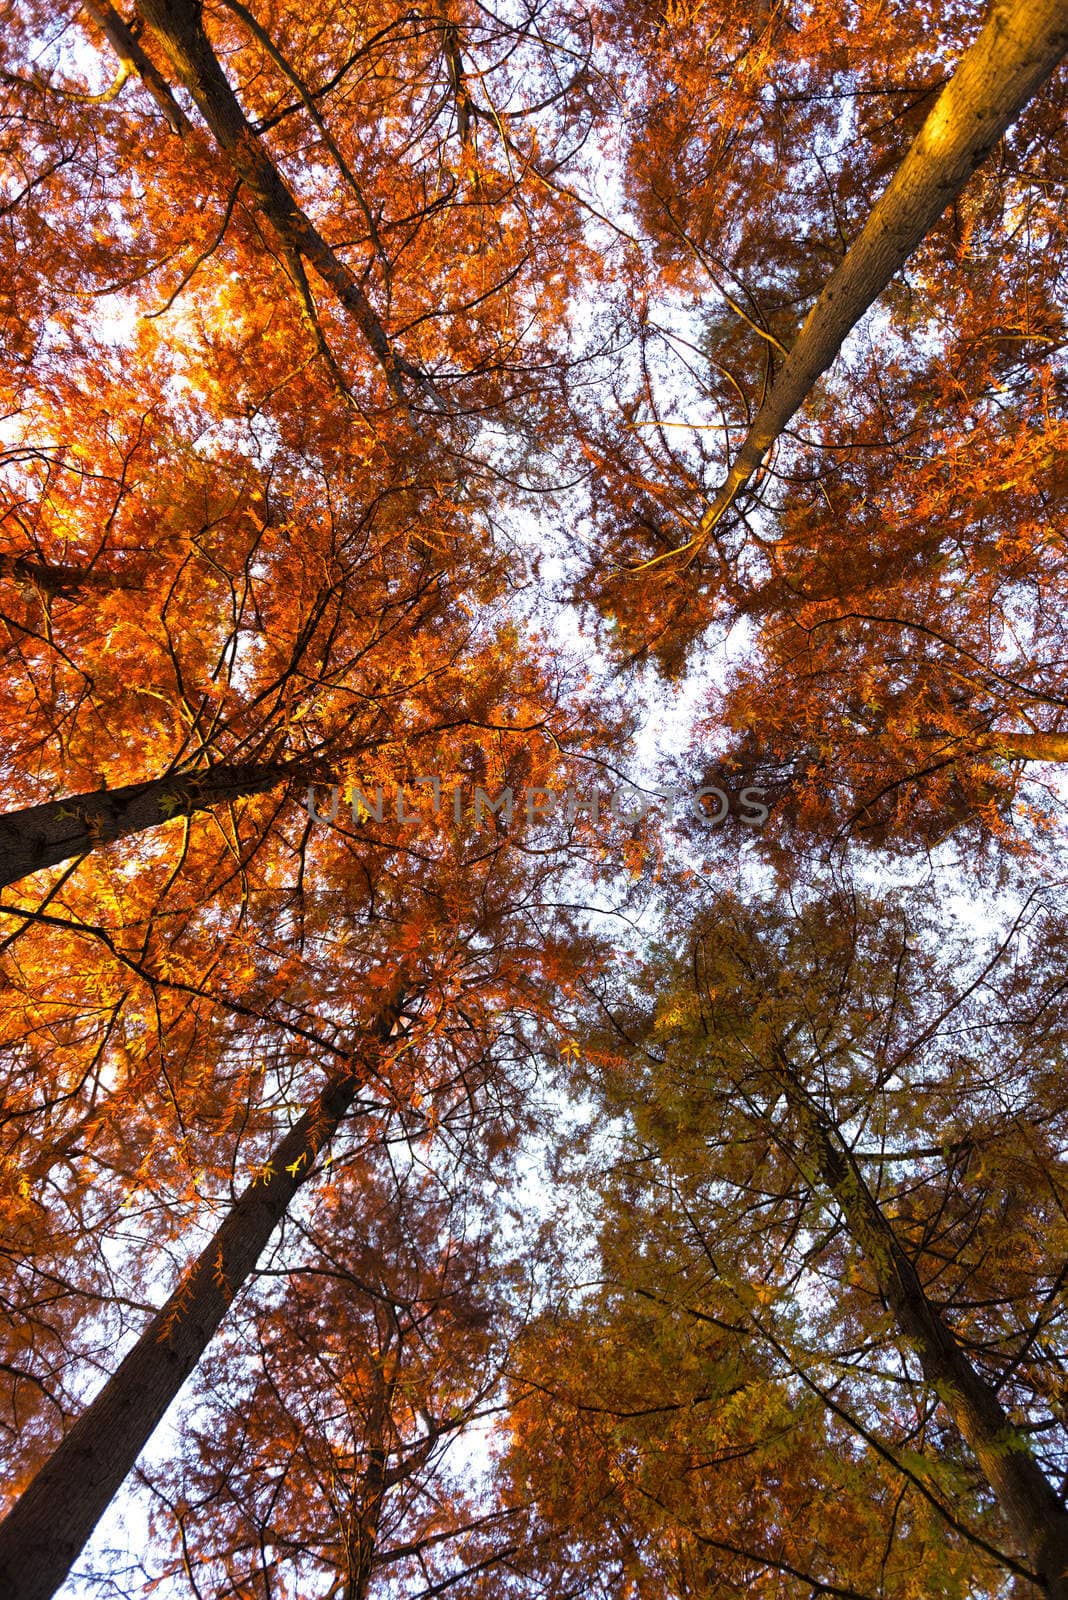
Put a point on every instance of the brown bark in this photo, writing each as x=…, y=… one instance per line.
x=1017, y=49
x=1029, y=746
x=56, y=582
x=466, y=110
x=1032, y=1508
x=177, y=26
x=1006, y=744
x=134, y=60
x=43, y=1534
x=41, y=836
x=369, y=1495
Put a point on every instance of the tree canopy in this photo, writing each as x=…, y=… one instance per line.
x=532, y=863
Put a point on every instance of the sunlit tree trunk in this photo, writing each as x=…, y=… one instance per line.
x=134, y=60
x=1018, y=47
x=1029, y=746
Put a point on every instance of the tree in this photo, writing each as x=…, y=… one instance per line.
x=666, y=1446
x=45, y=1529
x=893, y=576
x=333, y=338
x=1017, y=49
x=823, y=1129
x=320, y=1441
x=409, y=207
x=456, y=920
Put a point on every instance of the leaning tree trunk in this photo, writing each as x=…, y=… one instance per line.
x=1017, y=49
x=43, y=1534
x=41, y=836
x=134, y=60
x=1031, y=1506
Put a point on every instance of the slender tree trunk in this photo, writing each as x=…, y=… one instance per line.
x=369, y=1494
x=1006, y=743
x=1032, y=1508
x=177, y=26
x=43, y=1534
x=1017, y=49
x=134, y=60
x=40, y=836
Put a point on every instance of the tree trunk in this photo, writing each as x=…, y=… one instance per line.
x=1031, y=1506
x=1017, y=49
x=54, y=582
x=40, y=836
x=368, y=1495
x=177, y=26
x=1028, y=746
x=1005, y=744
x=133, y=59
x=43, y=1534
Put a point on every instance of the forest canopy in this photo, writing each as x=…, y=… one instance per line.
x=534, y=634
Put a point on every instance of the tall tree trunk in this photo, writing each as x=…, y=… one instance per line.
x=369, y=1493
x=178, y=27
x=1006, y=743
x=1028, y=746
x=1032, y=1508
x=55, y=582
x=1017, y=49
x=43, y=1534
x=40, y=836
x=134, y=60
